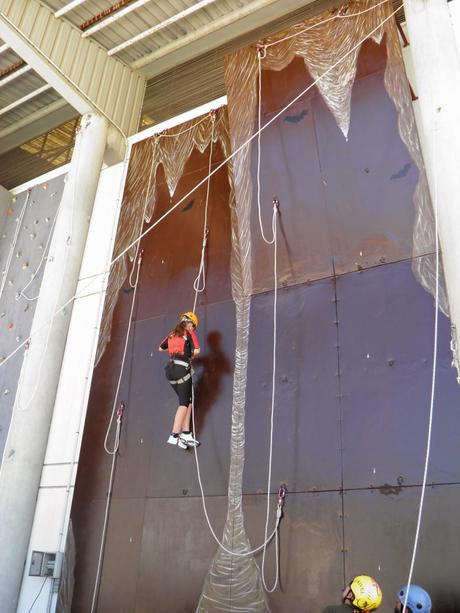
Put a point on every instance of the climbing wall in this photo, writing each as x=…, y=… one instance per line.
x=353, y=385
x=26, y=225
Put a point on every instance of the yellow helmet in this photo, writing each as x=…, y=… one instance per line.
x=367, y=595
x=190, y=316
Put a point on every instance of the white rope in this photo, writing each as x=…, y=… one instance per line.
x=106, y=516
x=116, y=445
x=338, y=15
x=259, y=130
x=44, y=254
x=122, y=365
x=203, y=501
x=6, y=270
x=197, y=123
x=214, y=171
x=199, y=288
x=433, y=376
x=38, y=378
x=146, y=202
x=199, y=285
x=272, y=415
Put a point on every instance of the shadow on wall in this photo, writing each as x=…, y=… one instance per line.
x=214, y=364
x=445, y=603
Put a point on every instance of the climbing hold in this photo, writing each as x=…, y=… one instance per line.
x=2, y=314
x=6, y=392
x=25, y=307
x=32, y=235
x=47, y=219
x=40, y=246
x=10, y=282
x=45, y=185
x=18, y=338
x=10, y=326
x=25, y=265
x=18, y=254
x=10, y=211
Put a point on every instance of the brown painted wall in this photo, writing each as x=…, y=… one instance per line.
x=354, y=367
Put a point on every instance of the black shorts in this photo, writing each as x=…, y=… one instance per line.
x=174, y=372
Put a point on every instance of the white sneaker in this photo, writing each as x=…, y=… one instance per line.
x=189, y=440
x=175, y=440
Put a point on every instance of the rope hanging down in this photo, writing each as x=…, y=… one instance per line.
x=120, y=411
x=214, y=171
x=116, y=445
x=282, y=492
x=433, y=376
x=122, y=365
x=199, y=284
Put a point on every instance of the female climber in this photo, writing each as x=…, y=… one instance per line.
x=182, y=345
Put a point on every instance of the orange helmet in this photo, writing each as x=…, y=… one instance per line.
x=190, y=316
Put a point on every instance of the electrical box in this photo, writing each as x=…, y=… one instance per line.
x=44, y=564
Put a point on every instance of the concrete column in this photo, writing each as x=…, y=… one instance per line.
x=436, y=64
x=24, y=454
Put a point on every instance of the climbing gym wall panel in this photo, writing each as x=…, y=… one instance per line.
x=307, y=412
x=354, y=350
x=386, y=354
x=379, y=534
x=26, y=224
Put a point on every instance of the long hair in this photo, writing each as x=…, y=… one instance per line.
x=179, y=330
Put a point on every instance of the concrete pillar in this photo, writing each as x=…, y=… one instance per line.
x=436, y=64
x=24, y=454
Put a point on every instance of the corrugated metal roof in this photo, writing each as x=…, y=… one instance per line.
x=139, y=20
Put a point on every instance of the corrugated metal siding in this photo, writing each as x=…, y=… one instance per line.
x=145, y=17
x=21, y=86
x=26, y=109
x=38, y=155
x=87, y=63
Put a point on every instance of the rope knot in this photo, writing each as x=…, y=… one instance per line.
x=261, y=50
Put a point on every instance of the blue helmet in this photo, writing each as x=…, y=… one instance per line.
x=418, y=599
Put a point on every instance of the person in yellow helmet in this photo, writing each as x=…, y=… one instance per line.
x=362, y=595
x=182, y=345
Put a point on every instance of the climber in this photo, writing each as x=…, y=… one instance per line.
x=182, y=345
x=363, y=594
x=418, y=600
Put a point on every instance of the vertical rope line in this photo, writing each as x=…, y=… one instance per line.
x=433, y=376
x=199, y=284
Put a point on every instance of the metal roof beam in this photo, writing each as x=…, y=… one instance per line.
x=26, y=98
x=217, y=32
x=103, y=23
x=14, y=75
x=68, y=7
x=36, y=123
x=160, y=26
x=78, y=69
